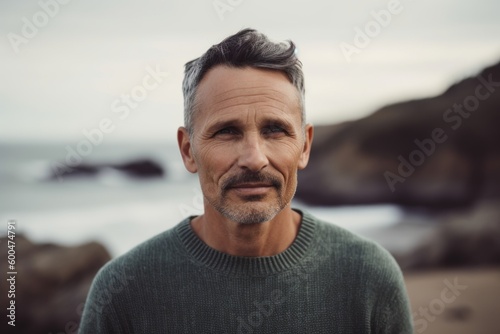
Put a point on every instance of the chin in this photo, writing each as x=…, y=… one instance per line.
x=252, y=213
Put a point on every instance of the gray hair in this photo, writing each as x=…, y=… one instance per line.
x=247, y=48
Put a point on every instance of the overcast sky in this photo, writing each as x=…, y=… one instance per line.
x=64, y=69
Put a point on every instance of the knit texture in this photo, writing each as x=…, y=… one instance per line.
x=328, y=281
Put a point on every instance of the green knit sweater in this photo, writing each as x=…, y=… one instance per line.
x=328, y=281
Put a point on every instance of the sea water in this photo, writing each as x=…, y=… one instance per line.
x=117, y=210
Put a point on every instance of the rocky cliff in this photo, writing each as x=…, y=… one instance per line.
x=441, y=151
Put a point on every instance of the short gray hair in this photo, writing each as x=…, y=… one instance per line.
x=247, y=48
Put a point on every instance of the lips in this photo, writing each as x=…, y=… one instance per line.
x=251, y=184
x=251, y=189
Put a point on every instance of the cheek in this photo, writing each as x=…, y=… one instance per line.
x=212, y=163
x=285, y=159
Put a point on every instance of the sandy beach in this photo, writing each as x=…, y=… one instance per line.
x=455, y=300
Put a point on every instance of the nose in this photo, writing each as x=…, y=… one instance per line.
x=252, y=155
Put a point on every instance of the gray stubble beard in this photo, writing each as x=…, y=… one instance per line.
x=248, y=215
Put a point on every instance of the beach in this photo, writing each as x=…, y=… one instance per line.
x=458, y=301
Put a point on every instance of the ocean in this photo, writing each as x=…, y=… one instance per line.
x=119, y=211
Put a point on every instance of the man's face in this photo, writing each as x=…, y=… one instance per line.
x=247, y=142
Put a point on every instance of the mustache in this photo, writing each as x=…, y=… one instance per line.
x=251, y=177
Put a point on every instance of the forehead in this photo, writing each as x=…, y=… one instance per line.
x=224, y=89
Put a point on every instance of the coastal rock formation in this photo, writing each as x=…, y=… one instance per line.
x=51, y=284
x=141, y=168
x=442, y=151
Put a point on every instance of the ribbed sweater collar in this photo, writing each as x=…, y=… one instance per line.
x=253, y=266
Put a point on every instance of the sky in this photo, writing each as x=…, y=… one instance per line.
x=67, y=66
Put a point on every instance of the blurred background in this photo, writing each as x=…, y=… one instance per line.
x=404, y=96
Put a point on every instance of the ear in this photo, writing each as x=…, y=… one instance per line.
x=306, y=149
x=185, y=148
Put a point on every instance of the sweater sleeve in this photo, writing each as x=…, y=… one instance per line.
x=99, y=314
x=393, y=313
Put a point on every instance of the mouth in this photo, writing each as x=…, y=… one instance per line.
x=252, y=188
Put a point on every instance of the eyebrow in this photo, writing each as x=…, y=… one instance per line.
x=285, y=124
x=224, y=124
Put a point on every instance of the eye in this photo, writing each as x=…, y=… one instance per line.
x=273, y=129
x=226, y=131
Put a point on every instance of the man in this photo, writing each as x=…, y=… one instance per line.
x=250, y=263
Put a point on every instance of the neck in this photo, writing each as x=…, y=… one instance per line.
x=254, y=240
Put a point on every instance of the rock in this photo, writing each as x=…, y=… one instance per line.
x=141, y=168
x=52, y=283
x=463, y=238
x=415, y=153
x=81, y=170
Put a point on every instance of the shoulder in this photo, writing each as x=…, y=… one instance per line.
x=161, y=250
x=349, y=250
x=344, y=256
x=121, y=282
